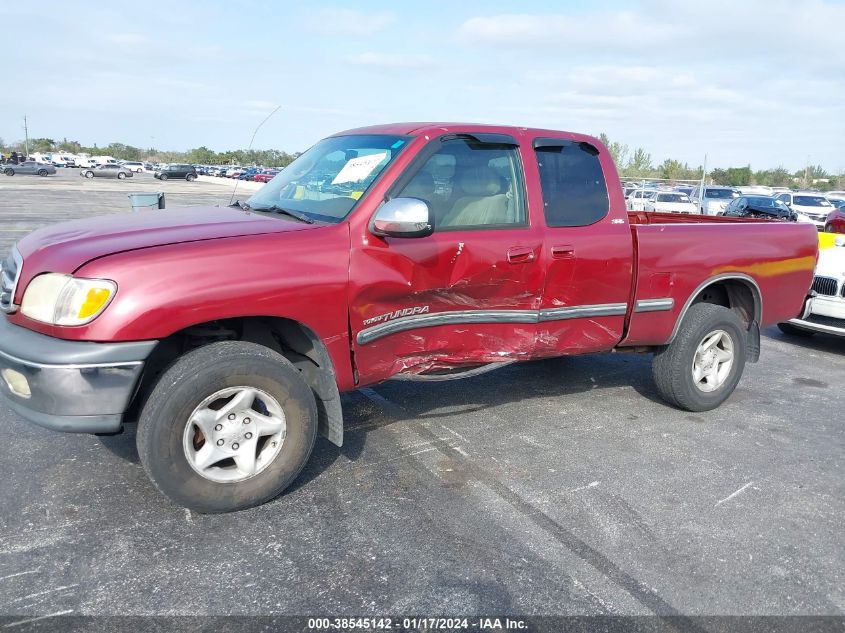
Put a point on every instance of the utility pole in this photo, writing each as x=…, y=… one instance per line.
x=26, y=135
x=701, y=208
x=807, y=173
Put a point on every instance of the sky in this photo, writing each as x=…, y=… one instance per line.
x=758, y=82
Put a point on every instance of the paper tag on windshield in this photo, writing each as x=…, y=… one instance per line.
x=359, y=168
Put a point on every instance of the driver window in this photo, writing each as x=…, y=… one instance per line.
x=471, y=185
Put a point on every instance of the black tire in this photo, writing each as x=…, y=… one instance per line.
x=121, y=175
x=791, y=330
x=828, y=228
x=89, y=174
x=9, y=171
x=163, y=177
x=190, y=178
x=42, y=172
x=672, y=365
x=196, y=376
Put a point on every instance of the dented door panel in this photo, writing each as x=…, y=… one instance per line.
x=451, y=299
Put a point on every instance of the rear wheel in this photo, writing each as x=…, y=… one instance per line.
x=788, y=328
x=701, y=367
x=228, y=426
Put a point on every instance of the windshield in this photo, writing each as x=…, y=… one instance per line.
x=672, y=197
x=722, y=194
x=765, y=202
x=327, y=181
x=810, y=201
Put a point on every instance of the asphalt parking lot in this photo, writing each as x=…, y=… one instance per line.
x=556, y=487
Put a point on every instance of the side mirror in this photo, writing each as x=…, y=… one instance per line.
x=403, y=217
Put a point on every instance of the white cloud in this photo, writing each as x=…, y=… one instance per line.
x=339, y=21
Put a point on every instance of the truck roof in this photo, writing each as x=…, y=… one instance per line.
x=419, y=128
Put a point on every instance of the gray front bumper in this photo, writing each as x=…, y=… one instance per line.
x=71, y=386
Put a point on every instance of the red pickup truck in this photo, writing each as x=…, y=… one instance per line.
x=429, y=251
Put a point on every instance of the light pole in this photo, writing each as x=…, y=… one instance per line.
x=26, y=136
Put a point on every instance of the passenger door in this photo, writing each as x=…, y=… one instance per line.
x=467, y=294
x=587, y=249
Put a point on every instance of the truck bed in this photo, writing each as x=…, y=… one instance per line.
x=675, y=255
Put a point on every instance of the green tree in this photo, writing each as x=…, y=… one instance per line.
x=732, y=176
x=619, y=151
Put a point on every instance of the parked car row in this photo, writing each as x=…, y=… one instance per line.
x=824, y=210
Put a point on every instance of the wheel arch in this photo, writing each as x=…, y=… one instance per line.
x=738, y=292
x=292, y=339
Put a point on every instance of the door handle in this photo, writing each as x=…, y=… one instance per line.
x=562, y=251
x=520, y=254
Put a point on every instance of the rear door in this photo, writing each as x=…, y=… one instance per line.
x=587, y=247
x=467, y=294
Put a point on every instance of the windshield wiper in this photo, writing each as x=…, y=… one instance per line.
x=277, y=209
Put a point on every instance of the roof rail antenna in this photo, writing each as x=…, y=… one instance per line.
x=251, y=141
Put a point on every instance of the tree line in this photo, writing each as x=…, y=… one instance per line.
x=639, y=164
x=198, y=155
x=632, y=164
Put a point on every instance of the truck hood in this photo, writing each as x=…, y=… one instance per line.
x=65, y=247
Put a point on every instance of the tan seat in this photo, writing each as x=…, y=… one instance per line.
x=484, y=202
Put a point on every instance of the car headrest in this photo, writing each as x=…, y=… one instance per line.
x=421, y=186
x=480, y=181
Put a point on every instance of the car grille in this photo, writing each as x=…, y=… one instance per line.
x=825, y=286
x=10, y=271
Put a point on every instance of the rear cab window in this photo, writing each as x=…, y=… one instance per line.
x=572, y=182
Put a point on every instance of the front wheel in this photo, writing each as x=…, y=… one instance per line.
x=9, y=171
x=701, y=367
x=42, y=172
x=163, y=177
x=190, y=178
x=228, y=426
x=89, y=174
x=121, y=176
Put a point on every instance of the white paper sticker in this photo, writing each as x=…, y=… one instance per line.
x=359, y=168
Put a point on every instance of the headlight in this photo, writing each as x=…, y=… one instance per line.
x=65, y=300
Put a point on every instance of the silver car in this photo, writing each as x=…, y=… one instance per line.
x=110, y=170
x=29, y=168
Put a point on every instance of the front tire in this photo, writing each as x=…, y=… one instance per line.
x=9, y=171
x=701, y=367
x=190, y=178
x=121, y=176
x=89, y=174
x=163, y=177
x=255, y=408
x=42, y=172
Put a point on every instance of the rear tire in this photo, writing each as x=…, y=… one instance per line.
x=170, y=436
x=701, y=367
x=791, y=330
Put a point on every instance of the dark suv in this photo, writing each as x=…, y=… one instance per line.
x=176, y=171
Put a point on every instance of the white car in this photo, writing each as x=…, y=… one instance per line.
x=134, y=166
x=715, y=200
x=811, y=207
x=670, y=202
x=824, y=310
x=636, y=199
